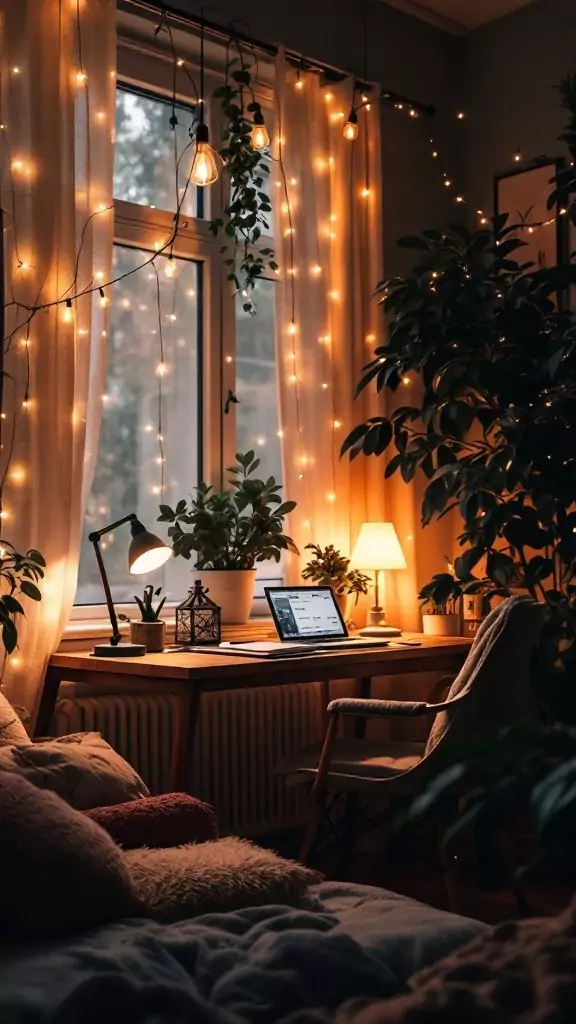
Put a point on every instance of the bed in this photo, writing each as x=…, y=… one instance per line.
x=258, y=965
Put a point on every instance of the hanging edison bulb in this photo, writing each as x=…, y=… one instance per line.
x=204, y=167
x=259, y=135
x=350, y=129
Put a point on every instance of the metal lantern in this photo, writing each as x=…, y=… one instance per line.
x=198, y=618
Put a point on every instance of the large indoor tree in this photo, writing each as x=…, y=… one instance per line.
x=493, y=424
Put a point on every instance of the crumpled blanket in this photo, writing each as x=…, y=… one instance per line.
x=252, y=966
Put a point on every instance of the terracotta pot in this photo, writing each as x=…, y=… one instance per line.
x=232, y=590
x=441, y=625
x=151, y=634
x=343, y=602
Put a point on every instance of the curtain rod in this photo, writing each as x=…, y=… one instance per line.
x=299, y=60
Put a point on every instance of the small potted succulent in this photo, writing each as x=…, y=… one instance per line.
x=330, y=568
x=440, y=597
x=149, y=630
x=230, y=532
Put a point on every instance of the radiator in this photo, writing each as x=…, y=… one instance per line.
x=241, y=736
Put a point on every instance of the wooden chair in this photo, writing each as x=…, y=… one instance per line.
x=491, y=691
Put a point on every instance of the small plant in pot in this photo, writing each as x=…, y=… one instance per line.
x=231, y=531
x=149, y=630
x=330, y=568
x=440, y=597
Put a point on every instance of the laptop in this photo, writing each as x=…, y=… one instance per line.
x=310, y=615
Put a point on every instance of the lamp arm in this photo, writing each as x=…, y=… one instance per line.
x=95, y=536
x=116, y=635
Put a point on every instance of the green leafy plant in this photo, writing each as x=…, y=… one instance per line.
x=247, y=211
x=20, y=575
x=440, y=596
x=147, y=611
x=330, y=568
x=493, y=428
x=233, y=529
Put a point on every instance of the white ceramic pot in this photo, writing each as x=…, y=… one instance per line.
x=232, y=590
x=441, y=625
x=151, y=634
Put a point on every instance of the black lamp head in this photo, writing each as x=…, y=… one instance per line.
x=147, y=551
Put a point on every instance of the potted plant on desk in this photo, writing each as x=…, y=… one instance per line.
x=231, y=531
x=439, y=605
x=149, y=630
x=330, y=568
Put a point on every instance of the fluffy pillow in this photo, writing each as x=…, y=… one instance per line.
x=169, y=819
x=60, y=871
x=81, y=768
x=227, y=874
x=11, y=728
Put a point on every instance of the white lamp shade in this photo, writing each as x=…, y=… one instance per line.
x=378, y=547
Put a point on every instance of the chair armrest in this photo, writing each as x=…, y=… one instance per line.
x=381, y=708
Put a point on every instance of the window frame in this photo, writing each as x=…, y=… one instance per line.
x=148, y=71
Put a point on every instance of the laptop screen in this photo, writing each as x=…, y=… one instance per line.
x=303, y=613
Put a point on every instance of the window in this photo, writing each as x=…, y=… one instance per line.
x=178, y=342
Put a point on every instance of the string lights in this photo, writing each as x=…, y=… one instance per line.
x=259, y=137
x=204, y=167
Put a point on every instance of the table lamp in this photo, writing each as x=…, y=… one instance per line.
x=378, y=548
x=146, y=552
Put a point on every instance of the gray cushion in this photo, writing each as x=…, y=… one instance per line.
x=81, y=768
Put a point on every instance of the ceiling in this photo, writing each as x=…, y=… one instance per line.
x=458, y=16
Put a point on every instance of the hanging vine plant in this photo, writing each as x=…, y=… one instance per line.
x=246, y=213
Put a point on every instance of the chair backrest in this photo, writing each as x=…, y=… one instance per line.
x=495, y=676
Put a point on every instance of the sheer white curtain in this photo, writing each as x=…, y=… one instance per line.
x=329, y=230
x=57, y=111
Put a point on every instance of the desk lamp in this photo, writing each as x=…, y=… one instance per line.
x=376, y=549
x=146, y=553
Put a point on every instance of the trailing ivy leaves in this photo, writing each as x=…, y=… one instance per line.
x=20, y=575
x=247, y=211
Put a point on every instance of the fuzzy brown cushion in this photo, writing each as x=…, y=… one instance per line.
x=522, y=972
x=227, y=874
x=60, y=871
x=11, y=728
x=170, y=819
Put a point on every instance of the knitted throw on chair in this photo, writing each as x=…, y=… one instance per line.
x=496, y=674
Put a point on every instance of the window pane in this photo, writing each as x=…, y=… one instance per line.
x=257, y=414
x=146, y=151
x=129, y=474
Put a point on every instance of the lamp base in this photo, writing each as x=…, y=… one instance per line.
x=119, y=650
x=381, y=631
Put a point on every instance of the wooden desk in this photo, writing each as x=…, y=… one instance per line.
x=190, y=675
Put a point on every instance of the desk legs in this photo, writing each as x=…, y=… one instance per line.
x=184, y=740
x=48, y=698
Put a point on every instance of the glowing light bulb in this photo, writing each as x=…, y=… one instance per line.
x=434, y=153
x=459, y=199
x=68, y=314
x=161, y=370
x=460, y=115
x=17, y=474
x=316, y=269
x=405, y=380
x=337, y=424
x=15, y=71
x=350, y=129
x=293, y=181
x=334, y=295
x=260, y=441
x=228, y=359
x=280, y=433
x=365, y=193
x=179, y=62
x=325, y=385
x=292, y=379
x=328, y=96
x=370, y=339
x=259, y=138
x=331, y=496
x=17, y=165
x=103, y=298
x=172, y=317
x=204, y=168
x=81, y=77
x=292, y=329
x=299, y=84
x=156, y=490
x=170, y=267
x=517, y=156
x=105, y=398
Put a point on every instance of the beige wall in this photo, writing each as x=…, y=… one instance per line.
x=509, y=70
